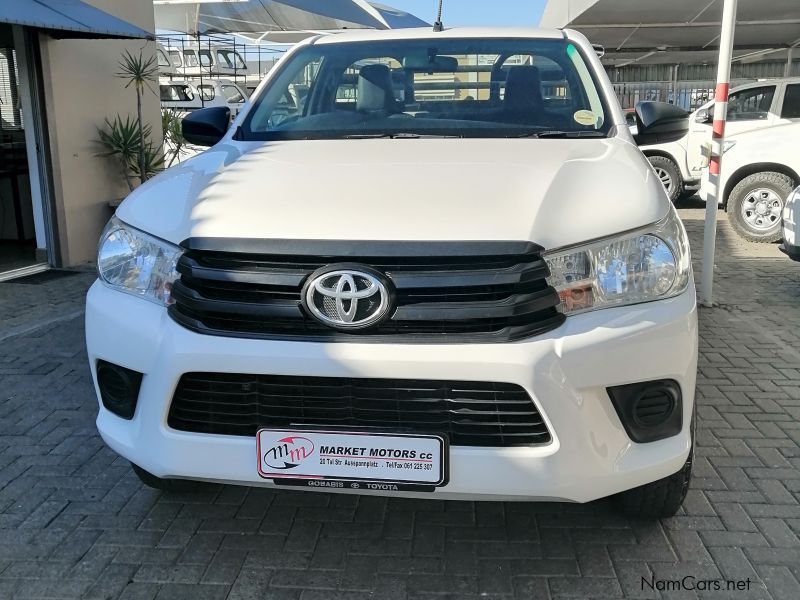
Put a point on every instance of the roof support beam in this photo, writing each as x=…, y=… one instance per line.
x=682, y=24
x=769, y=47
x=627, y=38
x=707, y=6
x=635, y=60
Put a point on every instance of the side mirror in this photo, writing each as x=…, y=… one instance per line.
x=206, y=126
x=659, y=122
x=703, y=116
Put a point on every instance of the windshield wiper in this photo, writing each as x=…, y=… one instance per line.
x=377, y=136
x=555, y=133
x=393, y=136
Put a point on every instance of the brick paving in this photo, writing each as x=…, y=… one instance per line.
x=76, y=523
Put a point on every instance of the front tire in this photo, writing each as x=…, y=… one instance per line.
x=669, y=174
x=660, y=499
x=755, y=205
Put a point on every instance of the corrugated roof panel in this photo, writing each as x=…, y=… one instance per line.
x=655, y=31
x=69, y=18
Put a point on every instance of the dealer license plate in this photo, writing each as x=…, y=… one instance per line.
x=351, y=459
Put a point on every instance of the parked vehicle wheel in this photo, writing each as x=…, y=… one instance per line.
x=662, y=498
x=165, y=485
x=756, y=203
x=669, y=174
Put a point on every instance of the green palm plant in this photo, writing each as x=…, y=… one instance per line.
x=141, y=73
x=173, y=135
x=122, y=140
x=153, y=162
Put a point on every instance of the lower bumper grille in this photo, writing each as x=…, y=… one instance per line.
x=470, y=413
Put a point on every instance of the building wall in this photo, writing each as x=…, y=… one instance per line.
x=81, y=90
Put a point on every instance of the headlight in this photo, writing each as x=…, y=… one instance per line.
x=132, y=261
x=650, y=264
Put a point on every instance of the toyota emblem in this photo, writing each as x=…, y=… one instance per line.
x=347, y=299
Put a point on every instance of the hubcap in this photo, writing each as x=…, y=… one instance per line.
x=666, y=179
x=762, y=208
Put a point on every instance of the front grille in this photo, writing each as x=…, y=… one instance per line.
x=445, y=291
x=470, y=413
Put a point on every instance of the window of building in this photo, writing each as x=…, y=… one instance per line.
x=10, y=113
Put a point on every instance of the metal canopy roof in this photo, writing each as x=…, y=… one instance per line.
x=68, y=18
x=678, y=31
x=394, y=18
x=277, y=20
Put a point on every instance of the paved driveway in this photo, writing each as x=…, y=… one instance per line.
x=75, y=521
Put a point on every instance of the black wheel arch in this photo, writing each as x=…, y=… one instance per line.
x=752, y=169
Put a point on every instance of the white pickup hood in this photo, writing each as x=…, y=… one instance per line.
x=554, y=192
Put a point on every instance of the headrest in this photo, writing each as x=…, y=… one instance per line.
x=523, y=88
x=375, y=90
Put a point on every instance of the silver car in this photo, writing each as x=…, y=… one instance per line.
x=791, y=245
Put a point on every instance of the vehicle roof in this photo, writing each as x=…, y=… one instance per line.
x=763, y=82
x=750, y=85
x=422, y=33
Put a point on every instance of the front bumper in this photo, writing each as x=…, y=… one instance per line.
x=566, y=372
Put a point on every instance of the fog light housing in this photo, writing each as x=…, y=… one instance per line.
x=119, y=388
x=649, y=410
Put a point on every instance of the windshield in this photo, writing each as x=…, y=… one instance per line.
x=463, y=88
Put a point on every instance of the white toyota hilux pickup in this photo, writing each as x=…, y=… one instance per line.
x=443, y=271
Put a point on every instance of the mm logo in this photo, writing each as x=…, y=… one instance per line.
x=288, y=453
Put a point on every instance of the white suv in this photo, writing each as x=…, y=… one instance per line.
x=679, y=164
x=759, y=170
x=449, y=273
